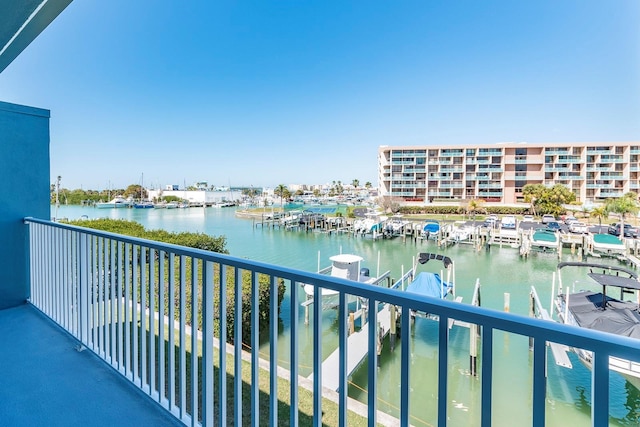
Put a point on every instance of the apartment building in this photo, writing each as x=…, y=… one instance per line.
x=498, y=172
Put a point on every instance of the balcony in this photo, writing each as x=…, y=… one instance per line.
x=88, y=282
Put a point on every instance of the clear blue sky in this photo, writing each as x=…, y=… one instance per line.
x=282, y=92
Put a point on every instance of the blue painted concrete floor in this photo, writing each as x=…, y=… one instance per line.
x=45, y=381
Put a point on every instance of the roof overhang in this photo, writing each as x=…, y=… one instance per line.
x=21, y=22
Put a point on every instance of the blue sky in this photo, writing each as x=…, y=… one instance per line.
x=288, y=92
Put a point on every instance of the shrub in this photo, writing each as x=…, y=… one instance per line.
x=208, y=243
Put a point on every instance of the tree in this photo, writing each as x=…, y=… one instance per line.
x=547, y=200
x=627, y=204
x=599, y=213
x=136, y=191
x=282, y=191
x=355, y=183
x=367, y=185
x=474, y=206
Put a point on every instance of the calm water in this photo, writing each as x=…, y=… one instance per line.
x=500, y=271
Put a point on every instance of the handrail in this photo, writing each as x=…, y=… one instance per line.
x=70, y=271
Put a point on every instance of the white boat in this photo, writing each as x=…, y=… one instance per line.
x=372, y=223
x=345, y=266
x=430, y=229
x=545, y=239
x=396, y=225
x=592, y=308
x=605, y=244
x=116, y=202
x=463, y=234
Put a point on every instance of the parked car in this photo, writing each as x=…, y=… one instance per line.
x=629, y=231
x=578, y=227
x=491, y=220
x=553, y=225
x=528, y=218
x=569, y=219
x=548, y=218
x=508, y=222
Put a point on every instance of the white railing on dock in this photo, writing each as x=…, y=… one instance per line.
x=104, y=289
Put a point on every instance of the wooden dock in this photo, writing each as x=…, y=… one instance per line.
x=357, y=349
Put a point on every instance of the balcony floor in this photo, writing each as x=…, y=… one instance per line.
x=46, y=381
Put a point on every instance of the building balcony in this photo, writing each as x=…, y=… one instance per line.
x=550, y=151
x=106, y=339
x=600, y=169
x=403, y=162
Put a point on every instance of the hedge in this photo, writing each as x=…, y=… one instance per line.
x=209, y=243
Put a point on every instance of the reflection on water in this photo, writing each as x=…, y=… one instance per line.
x=501, y=271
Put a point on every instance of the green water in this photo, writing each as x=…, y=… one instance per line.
x=500, y=271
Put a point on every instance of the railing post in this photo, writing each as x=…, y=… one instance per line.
x=207, y=346
x=83, y=274
x=600, y=389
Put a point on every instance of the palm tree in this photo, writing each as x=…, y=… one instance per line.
x=627, y=204
x=282, y=191
x=355, y=183
x=599, y=212
x=474, y=206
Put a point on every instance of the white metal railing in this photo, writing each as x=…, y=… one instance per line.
x=104, y=289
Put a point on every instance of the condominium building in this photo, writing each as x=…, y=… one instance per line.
x=498, y=172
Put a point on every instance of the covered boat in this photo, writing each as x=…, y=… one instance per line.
x=430, y=285
x=595, y=309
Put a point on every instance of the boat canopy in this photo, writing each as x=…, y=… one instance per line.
x=431, y=226
x=424, y=257
x=600, y=312
x=430, y=285
x=609, y=275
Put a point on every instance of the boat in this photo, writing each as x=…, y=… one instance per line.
x=116, y=202
x=597, y=310
x=463, y=233
x=345, y=266
x=395, y=225
x=430, y=229
x=545, y=238
x=143, y=205
x=372, y=223
x=605, y=244
x=431, y=284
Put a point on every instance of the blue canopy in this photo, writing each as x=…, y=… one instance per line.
x=430, y=285
x=431, y=227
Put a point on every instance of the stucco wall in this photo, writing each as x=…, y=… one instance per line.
x=24, y=174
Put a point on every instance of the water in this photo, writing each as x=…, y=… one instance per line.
x=500, y=270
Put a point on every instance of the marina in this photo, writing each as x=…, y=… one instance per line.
x=567, y=388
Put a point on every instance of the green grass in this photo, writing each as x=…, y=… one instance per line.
x=305, y=397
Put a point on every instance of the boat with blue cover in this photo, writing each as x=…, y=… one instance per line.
x=431, y=284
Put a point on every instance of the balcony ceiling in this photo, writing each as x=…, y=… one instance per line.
x=21, y=22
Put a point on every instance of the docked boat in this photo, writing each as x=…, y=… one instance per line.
x=430, y=229
x=346, y=266
x=605, y=244
x=143, y=205
x=545, y=238
x=372, y=223
x=116, y=202
x=432, y=284
x=597, y=310
x=395, y=225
